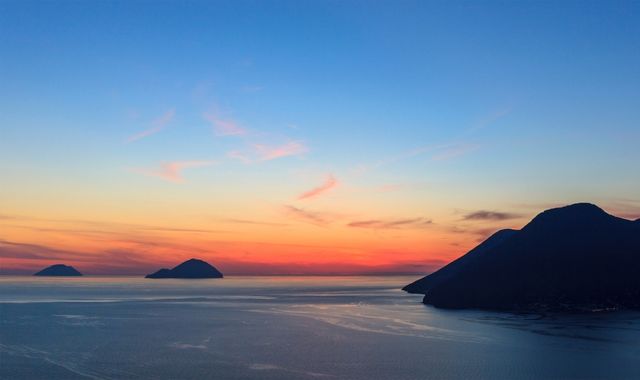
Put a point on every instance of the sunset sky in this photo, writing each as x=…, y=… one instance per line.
x=306, y=137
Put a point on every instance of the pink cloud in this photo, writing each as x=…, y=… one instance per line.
x=225, y=127
x=263, y=152
x=157, y=125
x=172, y=171
x=291, y=148
x=328, y=184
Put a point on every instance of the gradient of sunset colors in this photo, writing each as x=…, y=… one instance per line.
x=306, y=137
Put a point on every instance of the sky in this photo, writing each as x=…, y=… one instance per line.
x=306, y=137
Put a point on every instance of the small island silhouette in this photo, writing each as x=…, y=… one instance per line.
x=573, y=258
x=60, y=270
x=193, y=268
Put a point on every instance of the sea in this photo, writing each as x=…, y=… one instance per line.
x=291, y=327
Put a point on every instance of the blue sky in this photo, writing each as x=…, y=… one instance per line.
x=461, y=105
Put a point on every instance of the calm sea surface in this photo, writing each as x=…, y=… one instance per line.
x=290, y=328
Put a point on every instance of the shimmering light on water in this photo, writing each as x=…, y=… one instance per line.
x=290, y=328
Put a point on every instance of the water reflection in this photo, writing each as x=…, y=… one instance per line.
x=291, y=328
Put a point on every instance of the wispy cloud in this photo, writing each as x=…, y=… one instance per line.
x=33, y=257
x=490, y=215
x=621, y=207
x=224, y=126
x=480, y=234
x=172, y=171
x=98, y=230
x=328, y=184
x=312, y=217
x=391, y=224
x=31, y=251
x=364, y=168
x=264, y=152
x=156, y=126
x=441, y=152
x=238, y=155
x=491, y=118
x=453, y=151
x=139, y=259
x=438, y=152
x=254, y=222
x=270, y=152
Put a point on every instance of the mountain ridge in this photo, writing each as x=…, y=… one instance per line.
x=192, y=268
x=566, y=258
x=59, y=270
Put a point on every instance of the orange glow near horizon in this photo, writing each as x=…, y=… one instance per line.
x=390, y=139
x=235, y=246
x=290, y=239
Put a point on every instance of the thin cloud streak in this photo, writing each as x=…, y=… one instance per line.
x=329, y=184
x=224, y=127
x=440, y=152
x=10, y=249
x=110, y=261
x=490, y=119
x=29, y=258
x=94, y=226
x=255, y=222
x=391, y=224
x=454, y=151
x=237, y=155
x=481, y=234
x=305, y=215
x=157, y=125
x=263, y=152
x=490, y=215
x=172, y=171
x=623, y=208
x=364, y=168
x=290, y=148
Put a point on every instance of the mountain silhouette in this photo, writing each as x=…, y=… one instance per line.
x=192, y=268
x=576, y=257
x=58, y=270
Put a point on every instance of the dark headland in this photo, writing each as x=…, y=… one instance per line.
x=58, y=270
x=192, y=268
x=573, y=258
